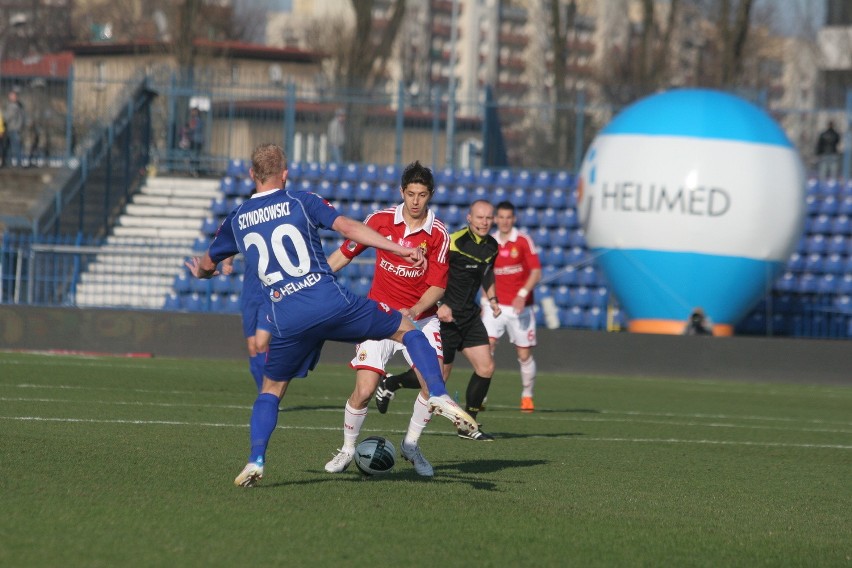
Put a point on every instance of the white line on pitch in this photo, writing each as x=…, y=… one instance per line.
x=337, y=428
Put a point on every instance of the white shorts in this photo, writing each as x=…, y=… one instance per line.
x=519, y=327
x=374, y=355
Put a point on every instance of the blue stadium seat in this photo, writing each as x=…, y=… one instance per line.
x=812, y=187
x=237, y=168
x=453, y=217
x=826, y=284
x=538, y=198
x=245, y=187
x=194, y=302
x=499, y=194
x=786, y=282
x=360, y=286
x=568, y=276
x=813, y=263
x=363, y=192
x=480, y=192
x=466, y=177
x=841, y=225
x=844, y=287
x=558, y=199
x=441, y=195
x=172, y=302
x=549, y=273
x=228, y=186
x=834, y=264
x=569, y=219
x=219, y=207
x=551, y=219
x=313, y=171
x=811, y=204
x=232, y=304
x=542, y=180
x=554, y=255
x=221, y=284
x=199, y=286
x=385, y=193
x=445, y=176
x=459, y=196
x=588, y=276
x=523, y=179
x=331, y=172
x=294, y=170
x=485, y=177
x=351, y=173
x=358, y=210
x=182, y=282
x=577, y=256
x=561, y=237
x=541, y=238
x=600, y=297
x=796, y=262
x=210, y=225
x=571, y=317
x=390, y=175
x=577, y=238
x=528, y=218
x=370, y=173
x=325, y=189
x=829, y=205
x=594, y=318
x=843, y=304
x=806, y=283
x=563, y=180
x=815, y=244
x=836, y=244
x=519, y=197
x=303, y=185
x=562, y=296
x=503, y=178
x=581, y=296
x=344, y=191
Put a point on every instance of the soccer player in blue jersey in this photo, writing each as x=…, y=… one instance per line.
x=277, y=232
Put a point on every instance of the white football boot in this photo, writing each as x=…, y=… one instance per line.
x=340, y=461
x=415, y=456
x=445, y=406
x=250, y=475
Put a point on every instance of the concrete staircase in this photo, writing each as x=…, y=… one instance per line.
x=137, y=266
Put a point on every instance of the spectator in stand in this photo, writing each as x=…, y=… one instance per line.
x=698, y=323
x=827, y=153
x=14, y=119
x=337, y=136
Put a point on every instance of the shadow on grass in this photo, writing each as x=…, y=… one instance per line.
x=448, y=472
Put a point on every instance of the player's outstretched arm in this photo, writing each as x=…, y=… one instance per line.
x=361, y=233
x=337, y=260
x=202, y=268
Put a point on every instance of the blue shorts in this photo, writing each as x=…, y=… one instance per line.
x=296, y=342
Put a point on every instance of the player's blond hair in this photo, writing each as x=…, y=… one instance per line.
x=267, y=161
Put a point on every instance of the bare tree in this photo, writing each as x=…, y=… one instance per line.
x=357, y=61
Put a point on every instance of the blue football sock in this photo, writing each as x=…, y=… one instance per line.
x=256, y=365
x=264, y=418
x=423, y=356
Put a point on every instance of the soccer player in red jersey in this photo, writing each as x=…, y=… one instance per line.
x=517, y=270
x=414, y=292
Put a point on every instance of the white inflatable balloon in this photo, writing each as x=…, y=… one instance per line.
x=691, y=198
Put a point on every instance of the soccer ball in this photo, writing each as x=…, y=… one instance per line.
x=375, y=455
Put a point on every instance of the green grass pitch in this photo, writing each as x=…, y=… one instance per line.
x=130, y=462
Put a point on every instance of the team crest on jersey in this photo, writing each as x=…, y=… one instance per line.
x=423, y=247
x=276, y=295
x=514, y=253
x=362, y=355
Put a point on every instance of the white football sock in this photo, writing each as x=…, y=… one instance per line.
x=352, y=421
x=527, y=376
x=420, y=417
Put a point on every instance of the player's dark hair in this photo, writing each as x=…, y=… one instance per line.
x=506, y=205
x=415, y=172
